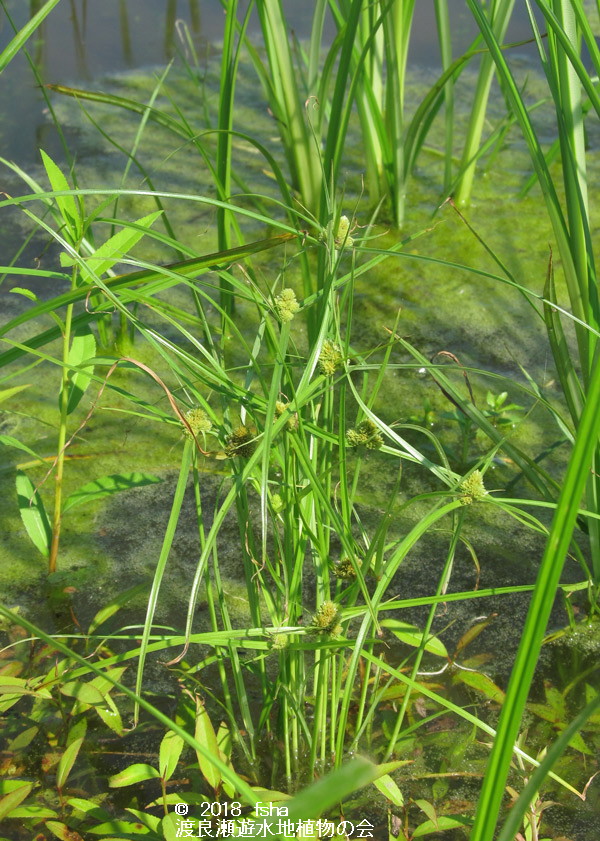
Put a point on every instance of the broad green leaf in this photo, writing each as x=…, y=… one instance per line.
x=33, y=514
x=207, y=737
x=67, y=205
x=10, y=685
x=107, y=485
x=67, y=761
x=429, y=810
x=7, y=393
x=84, y=692
x=481, y=683
x=411, y=635
x=389, y=789
x=443, y=823
x=62, y=831
x=114, y=249
x=14, y=46
x=169, y=753
x=89, y=808
x=13, y=799
x=170, y=826
x=136, y=773
x=83, y=347
x=111, y=716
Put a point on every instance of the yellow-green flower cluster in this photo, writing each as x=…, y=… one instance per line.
x=280, y=641
x=327, y=619
x=286, y=305
x=341, y=238
x=331, y=358
x=240, y=442
x=292, y=421
x=198, y=421
x=343, y=569
x=472, y=488
x=366, y=434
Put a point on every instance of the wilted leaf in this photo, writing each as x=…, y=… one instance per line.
x=63, y=832
x=481, y=683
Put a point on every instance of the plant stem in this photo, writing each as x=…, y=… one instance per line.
x=62, y=438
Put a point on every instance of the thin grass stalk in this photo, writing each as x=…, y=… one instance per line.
x=499, y=17
x=303, y=157
x=442, y=17
x=557, y=546
x=440, y=590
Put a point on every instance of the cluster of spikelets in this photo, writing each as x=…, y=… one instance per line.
x=365, y=434
x=330, y=358
x=292, y=421
x=240, y=442
x=341, y=238
x=286, y=305
x=344, y=569
x=472, y=488
x=327, y=620
x=198, y=423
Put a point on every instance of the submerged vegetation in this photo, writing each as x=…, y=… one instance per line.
x=339, y=501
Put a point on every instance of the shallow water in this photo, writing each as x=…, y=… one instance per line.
x=110, y=546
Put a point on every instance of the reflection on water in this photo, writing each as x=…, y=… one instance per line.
x=82, y=39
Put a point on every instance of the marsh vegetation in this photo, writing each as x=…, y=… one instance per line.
x=300, y=417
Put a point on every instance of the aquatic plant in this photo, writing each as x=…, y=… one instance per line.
x=306, y=686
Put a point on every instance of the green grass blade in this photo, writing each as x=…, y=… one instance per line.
x=542, y=600
x=10, y=51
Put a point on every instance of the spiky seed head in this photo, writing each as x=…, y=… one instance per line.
x=292, y=421
x=343, y=569
x=199, y=422
x=366, y=434
x=327, y=617
x=331, y=358
x=241, y=442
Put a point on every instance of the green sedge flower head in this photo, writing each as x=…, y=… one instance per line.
x=344, y=569
x=366, y=434
x=276, y=503
x=280, y=641
x=292, y=421
x=341, y=238
x=198, y=421
x=286, y=305
x=331, y=358
x=240, y=442
x=472, y=488
x=327, y=619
